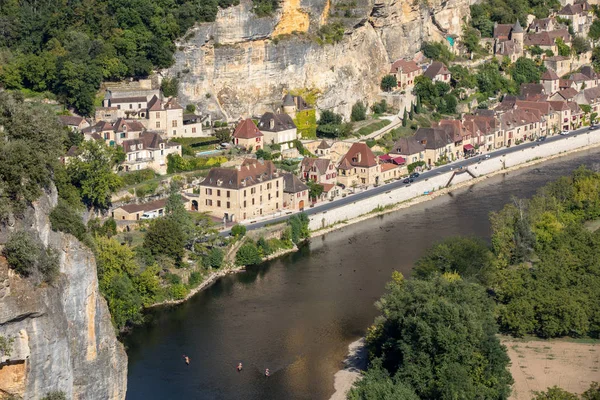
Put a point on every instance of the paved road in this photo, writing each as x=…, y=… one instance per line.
x=329, y=205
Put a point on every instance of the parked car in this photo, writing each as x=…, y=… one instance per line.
x=593, y=127
x=149, y=215
x=408, y=180
x=541, y=138
x=564, y=133
x=414, y=175
x=486, y=156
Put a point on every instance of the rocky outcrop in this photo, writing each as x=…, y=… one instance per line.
x=63, y=338
x=241, y=65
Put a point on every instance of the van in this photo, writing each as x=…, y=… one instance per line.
x=149, y=215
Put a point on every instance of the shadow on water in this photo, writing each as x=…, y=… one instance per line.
x=296, y=315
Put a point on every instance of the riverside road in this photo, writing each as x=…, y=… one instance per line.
x=351, y=198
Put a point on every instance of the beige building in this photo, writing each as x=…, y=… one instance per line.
x=550, y=81
x=438, y=143
x=405, y=72
x=74, y=123
x=320, y=170
x=251, y=190
x=519, y=125
x=148, y=151
x=248, y=136
x=508, y=41
x=410, y=149
x=560, y=64
x=278, y=129
x=295, y=193
x=438, y=72
x=359, y=167
x=134, y=212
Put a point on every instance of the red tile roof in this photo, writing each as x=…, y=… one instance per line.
x=360, y=155
x=404, y=66
x=246, y=129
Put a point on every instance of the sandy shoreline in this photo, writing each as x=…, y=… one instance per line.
x=355, y=362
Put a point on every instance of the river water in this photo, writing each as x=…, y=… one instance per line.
x=297, y=315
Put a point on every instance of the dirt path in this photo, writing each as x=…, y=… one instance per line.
x=537, y=365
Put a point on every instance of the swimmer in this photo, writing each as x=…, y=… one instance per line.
x=239, y=367
x=186, y=359
x=267, y=373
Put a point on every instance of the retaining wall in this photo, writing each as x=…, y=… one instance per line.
x=404, y=193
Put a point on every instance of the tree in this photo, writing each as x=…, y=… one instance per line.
x=165, y=236
x=418, y=107
x=563, y=49
x=238, y=230
x=262, y=154
x=299, y=224
x=359, y=112
x=315, y=190
x=594, y=32
x=380, y=107
x=526, y=70
x=471, y=38
x=405, y=117
x=329, y=117
x=92, y=174
x=27, y=255
x=555, y=393
x=170, y=87
x=471, y=258
x=214, y=258
x=422, y=340
x=248, y=254
x=223, y=135
x=580, y=45
x=388, y=83
x=376, y=384
x=190, y=109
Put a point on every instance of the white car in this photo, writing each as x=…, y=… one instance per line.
x=485, y=157
x=564, y=133
x=149, y=215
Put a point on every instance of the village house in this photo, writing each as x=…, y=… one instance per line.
x=550, y=81
x=293, y=104
x=134, y=212
x=250, y=190
x=568, y=94
x=483, y=129
x=148, y=151
x=438, y=72
x=114, y=134
x=580, y=16
x=320, y=170
x=295, y=193
x=547, y=115
x=405, y=72
x=518, y=125
x=560, y=64
x=564, y=119
x=439, y=145
x=74, y=123
x=359, y=167
x=542, y=25
x=323, y=149
x=547, y=40
x=278, y=129
x=408, y=148
x=590, y=97
x=508, y=41
x=247, y=135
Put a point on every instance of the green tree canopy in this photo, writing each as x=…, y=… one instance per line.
x=388, y=83
x=359, y=111
x=525, y=70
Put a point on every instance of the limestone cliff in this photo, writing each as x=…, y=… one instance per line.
x=241, y=65
x=63, y=336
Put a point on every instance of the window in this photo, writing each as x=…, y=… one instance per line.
x=131, y=106
x=244, y=203
x=174, y=124
x=123, y=135
x=276, y=194
x=276, y=205
x=162, y=152
x=218, y=192
x=244, y=193
x=269, y=196
x=218, y=203
x=277, y=183
x=193, y=130
x=209, y=192
x=157, y=115
x=118, y=107
x=139, y=105
x=208, y=202
x=260, y=199
x=228, y=194
x=228, y=205
x=158, y=124
x=252, y=201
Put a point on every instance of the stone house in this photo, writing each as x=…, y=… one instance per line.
x=542, y=25
x=560, y=64
x=323, y=149
x=359, y=167
x=438, y=72
x=134, y=212
x=550, y=81
x=483, y=129
x=127, y=107
x=547, y=40
x=320, y=170
x=250, y=190
x=508, y=41
x=278, y=129
x=408, y=148
x=74, y=123
x=580, y=15
x=590, y=97
x=293, y=104
x=564, y=113
x=114, y=134
x=148, y=151
x=248, y=136
x=439, y=145
x=568, y=94
x=518, y=125
x=295, y=193
x=405, y=72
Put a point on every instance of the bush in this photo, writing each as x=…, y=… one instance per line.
x=248, y=254
x=64, y=219
x=413, y=166
x=57, y=395
x=299, y=227
x=173, y=279
x=165, y=236
x=27, y=255
x=178, y=291
x=195, y=279
x=331, y=33
x=137, y=177
x=215, y=257
x=170, y=87
x=380, y=108
x=238, y=230
x=263, y=246
x=359, y=112
x=388, y=83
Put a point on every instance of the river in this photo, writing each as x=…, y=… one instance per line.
x=297, y=315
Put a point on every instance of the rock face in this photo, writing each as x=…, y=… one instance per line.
x=63, y=336
x=242, y=65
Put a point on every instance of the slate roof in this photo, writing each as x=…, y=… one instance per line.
x=323, y=145
x=70, y=120
x=288, y=100
x=320, y=163
x=291, y=184
x=148, y=140
x=154, y=104
x=281, y=122
x=246, y=129
x=407, y=146
x=433, y=138
x=568, y=93
x=250, y=173
x=436, y=68
x=502, y=31
x=145, y=207
x=549, y=75
x=133, y=99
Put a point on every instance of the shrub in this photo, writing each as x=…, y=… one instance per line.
x=299, y=227
x=56, y=395
x=413, y=166
x=173, y=279
x=64, y=219
x=238, y=230
x=388, y=83
x=195, y=279
x=27, y=255
x=263, y=246
x=248, y=254
x=165, y=236
x=178, y=291
x=215, y=257
x=136, y=177
x=170, y=87
x=359, y=112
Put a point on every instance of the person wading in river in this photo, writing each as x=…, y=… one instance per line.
x=239, y=367
x=186, y=359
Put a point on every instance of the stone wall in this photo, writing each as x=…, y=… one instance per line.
x=63, y=336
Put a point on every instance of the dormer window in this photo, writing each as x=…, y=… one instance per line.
x=272, y=123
